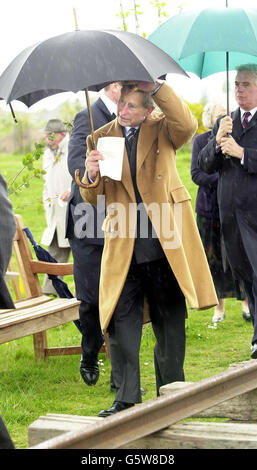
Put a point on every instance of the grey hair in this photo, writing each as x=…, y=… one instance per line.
x=147, y=97
x=212, y=108
x=250, y=68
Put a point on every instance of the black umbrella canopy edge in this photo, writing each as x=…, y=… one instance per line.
x=36, y=93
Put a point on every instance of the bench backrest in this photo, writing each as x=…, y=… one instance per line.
x=28, y=268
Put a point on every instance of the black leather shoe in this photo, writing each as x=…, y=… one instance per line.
x=116, y=407
x=254, y=351
x=89, y=372
x=246, y=316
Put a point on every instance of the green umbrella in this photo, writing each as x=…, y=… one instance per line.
x=211, y=40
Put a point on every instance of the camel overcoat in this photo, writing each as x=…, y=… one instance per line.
x=167, y=200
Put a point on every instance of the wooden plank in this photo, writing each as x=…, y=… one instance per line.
x=67, y=350
x=36, y=324
x=19, y=316
x=190, y=435
x=27, y=303
x=56, y=269
x=15, y=282
x=141, y=420
x=240, y=408
x=52, y=425
x=9, y=275
x=197, y=435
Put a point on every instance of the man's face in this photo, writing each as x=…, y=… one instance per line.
x=246, y=90
x=131, y=111
x=53, y=140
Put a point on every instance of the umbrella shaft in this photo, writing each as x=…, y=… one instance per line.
x=90, y=118
x=227, y=70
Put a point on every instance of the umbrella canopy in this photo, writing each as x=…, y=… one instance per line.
x=202, y=41
x=82, y=60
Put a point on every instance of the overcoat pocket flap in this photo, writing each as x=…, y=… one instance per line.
x=180, y=194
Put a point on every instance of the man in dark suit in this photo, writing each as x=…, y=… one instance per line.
x=233, y=152
x=7, y=231
x=84, y=232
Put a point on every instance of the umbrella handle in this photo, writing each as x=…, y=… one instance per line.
x=86, y=185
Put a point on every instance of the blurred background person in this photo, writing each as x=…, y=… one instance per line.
x=57, y=184
x=208, y=221
x=7, y=231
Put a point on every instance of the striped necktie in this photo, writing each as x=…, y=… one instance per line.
x=246, y=119
x=131, y=134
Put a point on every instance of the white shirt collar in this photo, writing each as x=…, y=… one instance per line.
x=127, y=129
x=110, y=105
x=252, y=111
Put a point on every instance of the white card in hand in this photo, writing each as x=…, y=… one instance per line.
x=112, y=148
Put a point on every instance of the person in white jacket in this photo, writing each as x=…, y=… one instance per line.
x=57, y=183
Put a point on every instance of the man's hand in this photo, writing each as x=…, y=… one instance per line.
x=225, y=127
x=92, y=162
x=230, y=147
x=147, y=87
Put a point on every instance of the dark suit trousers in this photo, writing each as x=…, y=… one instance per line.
x=167, y=310
x=248, y=238
x=88, y=261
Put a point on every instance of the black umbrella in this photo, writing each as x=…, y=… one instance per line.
x=83, y=60
x=59, y=285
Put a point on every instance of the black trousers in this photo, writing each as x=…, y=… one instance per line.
x=5, y=439
x=167, y=311
x=251, y=293
x=87, y=265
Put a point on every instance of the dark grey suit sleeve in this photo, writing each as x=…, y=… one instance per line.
x=78, y=144
x=209, y=160
x=7, y=226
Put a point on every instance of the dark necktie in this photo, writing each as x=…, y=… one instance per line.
x=246, y=119
x=131, y=134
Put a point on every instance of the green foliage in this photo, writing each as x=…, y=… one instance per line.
x=6, y=123
x=29, y=170
x=197, y=111
x=123, y=15
x=160, y=9
x=68, y=111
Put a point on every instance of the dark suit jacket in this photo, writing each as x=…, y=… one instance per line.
x=76, y=160
x=237, y=195
x=206, y=199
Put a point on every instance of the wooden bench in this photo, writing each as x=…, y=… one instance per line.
x=34, y=312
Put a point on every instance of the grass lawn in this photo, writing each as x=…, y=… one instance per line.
x=29, y=390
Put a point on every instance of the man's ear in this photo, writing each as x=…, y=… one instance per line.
x=149, y=111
